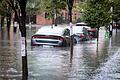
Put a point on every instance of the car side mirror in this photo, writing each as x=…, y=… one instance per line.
x=67, y=36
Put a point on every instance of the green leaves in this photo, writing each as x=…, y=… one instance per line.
x=49, y=6
x=5, y=8
x=96, y=13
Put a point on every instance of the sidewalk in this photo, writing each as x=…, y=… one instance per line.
x=110, y=70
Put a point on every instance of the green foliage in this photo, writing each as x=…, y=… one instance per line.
x=53, y=7
x=3, y=8
x=49, y=6
x=96, y=13
x=116, y=8
x=34, y=6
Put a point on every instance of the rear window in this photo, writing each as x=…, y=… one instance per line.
x=81, y=25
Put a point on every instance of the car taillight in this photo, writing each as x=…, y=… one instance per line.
x=37, y=36
x=61, y=39
x=114, y=25
x=81, y=35
x=34, y=36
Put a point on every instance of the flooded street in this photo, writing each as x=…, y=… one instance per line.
x=89, y=62
x=10, y=57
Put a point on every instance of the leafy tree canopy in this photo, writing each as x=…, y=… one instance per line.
x=98, y=13
x=49, y=6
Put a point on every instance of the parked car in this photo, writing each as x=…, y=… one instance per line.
x=93, y=33
x=52, y=36
x=116, y=24
x=80, y=33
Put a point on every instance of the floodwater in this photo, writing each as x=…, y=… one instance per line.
x=10, y=60
x=89, y=61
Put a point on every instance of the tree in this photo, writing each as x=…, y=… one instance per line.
x=70, y=7
x=20, y=12
x=115, y=6
x=6, y=12
x=96, y=13
x=33, y=7
x=53, y=7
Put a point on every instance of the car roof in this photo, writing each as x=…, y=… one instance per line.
x=51, y=30
x=82, y=24
x=76, y=29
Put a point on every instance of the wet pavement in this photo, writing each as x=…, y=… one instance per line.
x=89, y=62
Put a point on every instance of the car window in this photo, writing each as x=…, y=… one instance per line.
x=85, y=31
x=66, y=32
x=81, y=25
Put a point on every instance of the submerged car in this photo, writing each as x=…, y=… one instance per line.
x=52, y=36
x=92, y=32
x=80, y=32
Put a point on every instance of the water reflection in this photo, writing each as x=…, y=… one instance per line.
x=10, y=61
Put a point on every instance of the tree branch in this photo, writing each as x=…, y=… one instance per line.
x=11, y=4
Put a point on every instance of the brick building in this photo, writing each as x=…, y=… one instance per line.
x=40, y=18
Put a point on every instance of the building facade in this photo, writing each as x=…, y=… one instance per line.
x=61, y=18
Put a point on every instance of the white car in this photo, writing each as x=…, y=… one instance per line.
x=82, y=24
x=80, y=32
x=51, y=35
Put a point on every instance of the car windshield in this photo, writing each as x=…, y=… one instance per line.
x=81, y=24
x=77, y=29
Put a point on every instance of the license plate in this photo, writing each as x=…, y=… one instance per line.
x=47, y=46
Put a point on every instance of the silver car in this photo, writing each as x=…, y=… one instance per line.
x=52, y=36
x=79, y=33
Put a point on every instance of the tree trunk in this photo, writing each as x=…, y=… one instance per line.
x=21, y=16
x=71, y=44
x=22, y=26
x=8, y=22
x=70, y=5
x=56, y=20
x=116, y=27
x=97, y=37
x=2, y=21
x=70, y=14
